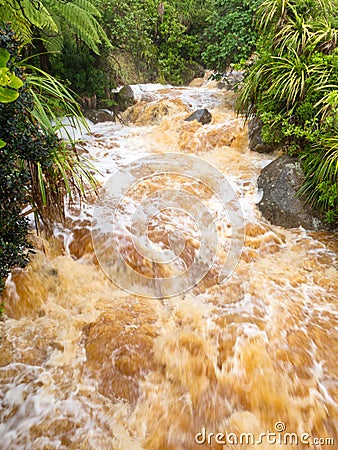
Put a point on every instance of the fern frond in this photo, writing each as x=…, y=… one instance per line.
x=83, y=24
x=53, y=44
x=20, y=25
x=37, y=14
x=80, y=15
x=87, y=6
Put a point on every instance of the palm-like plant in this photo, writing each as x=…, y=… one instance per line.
x=275, y=13
x=68, y=173
x=65, y=172
x=293, y=87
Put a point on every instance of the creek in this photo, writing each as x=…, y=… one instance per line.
x=87, y=365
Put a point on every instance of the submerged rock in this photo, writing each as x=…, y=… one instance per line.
x=256, y=142
x=280, y=182
x=201, y=115
x=144, y=113
x=225, y=86
x=100, y=115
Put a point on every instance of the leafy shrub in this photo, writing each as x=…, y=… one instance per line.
x=293, y=85
x=36, y=168
x=24, y=145
x=231, y=34
x=160, y=38
x=87, y=73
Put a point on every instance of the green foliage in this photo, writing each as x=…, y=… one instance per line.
x=163, y=37
x=9, y=83
x=24, y=14
x=24, y=145
x=87, y=73
x=52, y=25
x=54, y=18
x=231, y=34
x=175, y=47
x=36, y=167
x=292, y=86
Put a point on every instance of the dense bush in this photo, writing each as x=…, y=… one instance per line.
x=293, y=88
x=36, y=167
x=160, y=38
x=231, y=34
x=88, y=74
x=25, y=146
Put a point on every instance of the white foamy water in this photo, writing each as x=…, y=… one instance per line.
x=86, y=365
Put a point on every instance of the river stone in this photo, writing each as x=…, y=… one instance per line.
x=256, y=142
x=280, y=181
x=201, y=115
x=225, y=86
x=231, y=80
x=125, y=98
x=100, y=115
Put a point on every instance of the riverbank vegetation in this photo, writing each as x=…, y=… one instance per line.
x=293, y=87
x=287, y=47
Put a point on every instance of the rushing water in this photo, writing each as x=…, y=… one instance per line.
x=86, y=365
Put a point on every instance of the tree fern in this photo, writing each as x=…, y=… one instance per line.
x=25, y=13
x=10, y=12
x=87, y=6
x=37, y=14
x=80, y=17
x=49, y=16
x=81, y=23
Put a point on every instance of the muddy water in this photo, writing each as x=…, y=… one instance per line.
x=85, y=365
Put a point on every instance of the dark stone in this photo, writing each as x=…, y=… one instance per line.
x=280, y=182
x=99, y=115
x=231, y=80
x=256, y=142
x=125, y=98
x=201, y=115
x=224, y=85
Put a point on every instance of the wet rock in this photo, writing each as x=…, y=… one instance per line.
x=100, y=115
x=224, y=85
x=201, y=115
x=231, y=80
x=125, y=98
x=256, y=142
x=280, y=182
x=143, y=113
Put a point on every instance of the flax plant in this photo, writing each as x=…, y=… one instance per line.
x=292, y=86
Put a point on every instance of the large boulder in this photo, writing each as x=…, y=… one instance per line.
x=201, y=115
x=100, y=115
x=125, y=98
x=279, y=182
x=256, y=142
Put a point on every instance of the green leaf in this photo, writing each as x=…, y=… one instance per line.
x=15, y=82
x=4, y=57
x=4, y=78
x=2, y=143
x=8, y=95
x=42, y=184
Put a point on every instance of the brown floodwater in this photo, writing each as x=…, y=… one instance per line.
x=87, y=365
